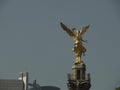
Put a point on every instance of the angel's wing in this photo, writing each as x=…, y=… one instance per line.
x=69, y=31
x=84, y=29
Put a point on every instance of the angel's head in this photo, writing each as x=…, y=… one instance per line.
x=77, y=33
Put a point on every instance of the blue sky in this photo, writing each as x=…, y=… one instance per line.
x=32, y=40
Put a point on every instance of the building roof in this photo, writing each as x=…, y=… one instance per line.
x=11, y=84
x=45, y=88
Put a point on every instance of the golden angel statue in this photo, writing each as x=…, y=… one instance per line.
x=76, y=35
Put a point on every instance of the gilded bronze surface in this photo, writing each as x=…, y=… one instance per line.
x=76, y=35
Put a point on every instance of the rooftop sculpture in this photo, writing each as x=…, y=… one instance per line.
x=76, y=35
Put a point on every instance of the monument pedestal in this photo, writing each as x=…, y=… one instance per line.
x=78, y=80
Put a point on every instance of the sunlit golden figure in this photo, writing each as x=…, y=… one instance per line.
x=76, y=35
